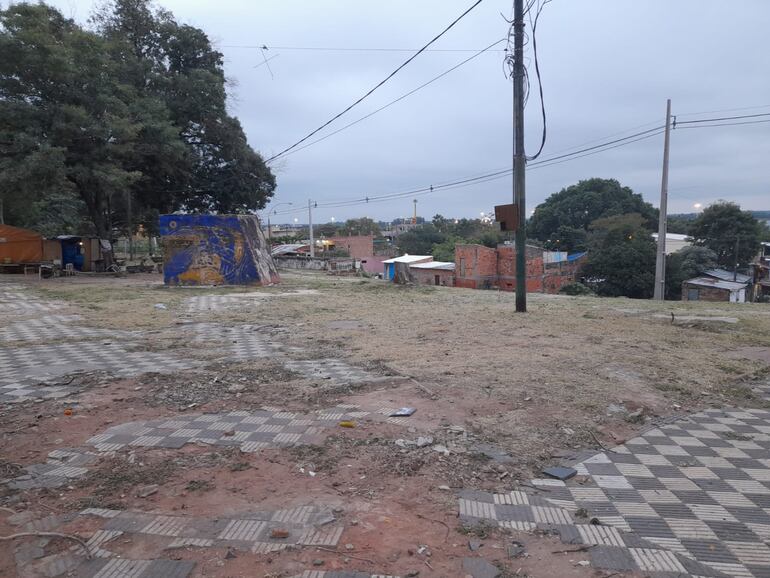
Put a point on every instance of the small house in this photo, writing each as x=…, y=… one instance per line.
x=390, y=264
x=433, y=273
x=713, y=289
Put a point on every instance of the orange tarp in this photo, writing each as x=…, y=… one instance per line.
x=20, y=245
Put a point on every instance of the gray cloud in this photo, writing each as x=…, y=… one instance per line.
x=608, y=66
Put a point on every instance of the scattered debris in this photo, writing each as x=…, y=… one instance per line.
x=348, y=424
x=480, y=568
x=560, y=473
x=146, y=491
x=403, y=412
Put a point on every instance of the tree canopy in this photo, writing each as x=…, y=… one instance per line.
x=621, y=257
x=684, y=264
x=131, y=111
x=724, y=228
x=562, y=222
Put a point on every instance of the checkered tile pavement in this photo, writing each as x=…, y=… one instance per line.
x=201, y=303
x=15, y=300
x=697, y=490
x=250, y=431
x=240, y=342
x=334, y=370
x=24, y=368
x=251, y=532
x=55, y=327
x=63, y=465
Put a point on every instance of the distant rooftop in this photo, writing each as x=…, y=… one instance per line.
x=718, y=283
x=727, y=275
x=445, y=265
x=409, y=259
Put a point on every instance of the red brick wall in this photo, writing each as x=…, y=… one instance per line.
x=506, y=269
x=475, y=265
x=706, y=293
x=358, y=247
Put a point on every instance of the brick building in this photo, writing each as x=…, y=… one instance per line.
x=479, y=267
x=364, y=249
x=433, y=273
x=711, y=289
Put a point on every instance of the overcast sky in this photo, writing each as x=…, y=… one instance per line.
x=607, y=66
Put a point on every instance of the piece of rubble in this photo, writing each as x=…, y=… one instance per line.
x=146, y=491
x=560, y=473
x=480, y=568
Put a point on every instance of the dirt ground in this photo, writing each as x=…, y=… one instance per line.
x=570, y=375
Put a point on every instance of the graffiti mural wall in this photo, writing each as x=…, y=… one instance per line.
x=215, y=250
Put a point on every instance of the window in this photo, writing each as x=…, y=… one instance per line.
x=693, y=295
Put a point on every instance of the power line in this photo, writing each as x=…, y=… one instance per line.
x=725, y=124
x=400, y=98
x=554, y=160
x=378, y=85
x=721, y=118
x=467, y=181
x=343, y=49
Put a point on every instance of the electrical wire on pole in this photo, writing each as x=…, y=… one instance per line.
x=378, y=85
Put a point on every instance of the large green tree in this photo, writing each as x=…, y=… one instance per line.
x=130, y=114
x=563, y=220
x=621, y=257
x=734, y=235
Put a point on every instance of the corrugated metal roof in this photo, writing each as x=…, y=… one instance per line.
x=409, y=259
x=719, y=284
x=444, y=265
x=727, y=275
x=292, y=248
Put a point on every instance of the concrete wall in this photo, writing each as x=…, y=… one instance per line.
x=428, y=276
x=215, y=250
x=315, y=264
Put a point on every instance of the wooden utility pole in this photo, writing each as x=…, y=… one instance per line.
x=660, y=259
x=519, y=160
x=310, y=226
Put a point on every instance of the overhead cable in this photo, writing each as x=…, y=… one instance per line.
x=378, y=85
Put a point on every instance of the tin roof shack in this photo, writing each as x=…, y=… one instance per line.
x=215, y=250
x=712, y=289
x=433, y=273
x=21, y=247
x=389, y=271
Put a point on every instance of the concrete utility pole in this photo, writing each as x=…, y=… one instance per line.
x=310, y=226
x=659, y=292
x=519, y=160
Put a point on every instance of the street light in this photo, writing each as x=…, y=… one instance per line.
x=270, y=212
